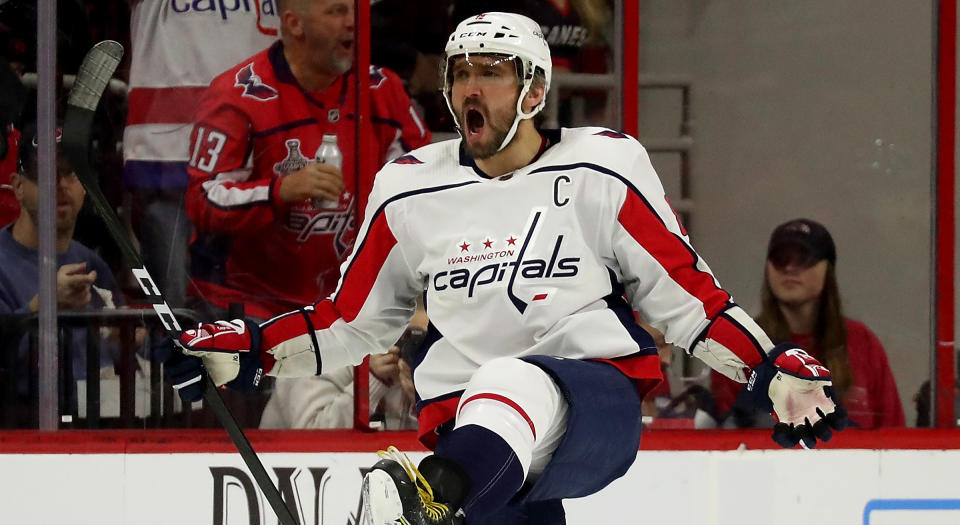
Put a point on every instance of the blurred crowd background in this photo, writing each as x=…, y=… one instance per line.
x=754, y=113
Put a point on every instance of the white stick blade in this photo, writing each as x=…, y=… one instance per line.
x=95, y=72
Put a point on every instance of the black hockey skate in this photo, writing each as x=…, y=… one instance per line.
x=395, y=492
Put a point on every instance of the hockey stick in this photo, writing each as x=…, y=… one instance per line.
x=95, y=72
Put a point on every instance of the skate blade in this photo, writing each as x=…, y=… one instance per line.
x=381, y=501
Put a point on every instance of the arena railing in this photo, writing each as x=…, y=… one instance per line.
x=133, y=396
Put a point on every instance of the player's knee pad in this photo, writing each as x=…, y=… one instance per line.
x=518, y=401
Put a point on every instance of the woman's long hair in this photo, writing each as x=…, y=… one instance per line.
x=829, y=333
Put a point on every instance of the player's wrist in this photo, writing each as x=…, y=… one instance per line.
x=283, y=336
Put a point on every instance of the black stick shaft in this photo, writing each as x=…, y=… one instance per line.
x=99, y=66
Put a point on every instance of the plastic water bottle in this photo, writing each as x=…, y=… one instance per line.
x=329, y=153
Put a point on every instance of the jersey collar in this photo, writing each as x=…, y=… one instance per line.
x=335, y=95
x=549, y=138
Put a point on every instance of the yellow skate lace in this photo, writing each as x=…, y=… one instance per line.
x=435, y=510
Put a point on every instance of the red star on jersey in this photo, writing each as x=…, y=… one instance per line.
x=487, y=243
x=512, y=241
x=464, y=247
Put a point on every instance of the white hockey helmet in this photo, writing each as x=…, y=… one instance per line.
x=503, y=34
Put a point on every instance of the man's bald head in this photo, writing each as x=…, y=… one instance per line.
x=317, y=38
x=291, y=4
x=298, y=8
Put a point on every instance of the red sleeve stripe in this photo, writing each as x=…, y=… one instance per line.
x=734, y=337
x=640, y=220
x=283, y=328
x=362, y=273
x=506, y=401
x=293, y=324
x=172, y=105
x=323, y=315
x=675, y=255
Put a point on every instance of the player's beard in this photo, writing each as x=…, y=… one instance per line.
x=496, y=127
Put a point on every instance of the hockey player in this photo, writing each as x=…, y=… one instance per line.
x=531, y=249
x=253, y=175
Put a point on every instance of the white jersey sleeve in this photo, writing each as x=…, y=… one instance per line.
x=668, y=283
x=374, y=301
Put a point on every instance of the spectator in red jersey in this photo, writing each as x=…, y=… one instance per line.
x=801, y=303
x=259, y=238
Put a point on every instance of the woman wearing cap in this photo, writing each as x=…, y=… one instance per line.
x=801, y=303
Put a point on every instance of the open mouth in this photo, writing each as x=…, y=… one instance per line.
x=474, y=122
x=347, y=45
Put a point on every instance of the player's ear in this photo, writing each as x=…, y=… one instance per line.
x=533, y=97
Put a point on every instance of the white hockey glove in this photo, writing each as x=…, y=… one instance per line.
x=798, y=390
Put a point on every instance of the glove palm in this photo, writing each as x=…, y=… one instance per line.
x=798, y=390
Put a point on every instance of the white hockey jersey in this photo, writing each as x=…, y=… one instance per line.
x=541, y=261
x=179, y=46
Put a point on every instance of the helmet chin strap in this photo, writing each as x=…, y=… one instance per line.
x=520, y=114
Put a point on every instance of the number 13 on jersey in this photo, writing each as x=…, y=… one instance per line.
x=206, y=149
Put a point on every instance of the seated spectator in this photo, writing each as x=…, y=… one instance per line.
x=84, y=280
x=801, y=303
x=326, y=400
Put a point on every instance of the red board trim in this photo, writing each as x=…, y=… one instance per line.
x=179, y=441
